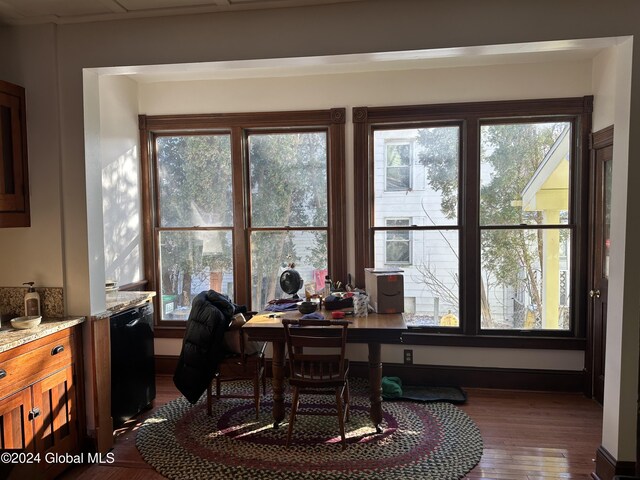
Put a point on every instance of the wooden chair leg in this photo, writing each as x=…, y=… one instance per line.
x=209, y=399
x=256, y=394
x=340, y=417
x=347, y=400
x=292, y=416
x=218, y=386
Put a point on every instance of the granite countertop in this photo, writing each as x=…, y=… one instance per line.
x=11, y=337
x=118, y=301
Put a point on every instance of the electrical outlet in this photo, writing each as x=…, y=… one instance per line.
x=408, y=357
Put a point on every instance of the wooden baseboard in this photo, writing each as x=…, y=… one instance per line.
x=608, y=467
x=476, y=377
x=483, y=377
x=166, y=364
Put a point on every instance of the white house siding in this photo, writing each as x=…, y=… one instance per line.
x=420, y=204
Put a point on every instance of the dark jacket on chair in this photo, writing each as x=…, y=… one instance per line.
x=202, y=349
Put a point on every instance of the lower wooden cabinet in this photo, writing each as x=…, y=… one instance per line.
x=40, y=410
x=16, y=429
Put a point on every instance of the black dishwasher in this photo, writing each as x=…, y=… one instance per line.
x=133, y=383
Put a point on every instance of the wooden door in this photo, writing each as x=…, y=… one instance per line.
x=602, y=157
x=16, y=430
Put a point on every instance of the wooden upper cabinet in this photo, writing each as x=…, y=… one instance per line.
x=14, y=178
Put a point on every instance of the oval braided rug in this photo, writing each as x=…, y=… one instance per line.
x=421, y=441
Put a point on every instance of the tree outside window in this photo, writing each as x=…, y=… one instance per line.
x=196, y=217
x=496, y=237
x=289, y=214
x=524, y=181
x=233, y=204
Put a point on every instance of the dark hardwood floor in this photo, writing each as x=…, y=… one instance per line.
x=527, y=436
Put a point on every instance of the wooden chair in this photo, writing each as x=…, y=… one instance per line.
x=324, y=370
x=240, y=366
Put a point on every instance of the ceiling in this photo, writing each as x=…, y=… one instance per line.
x=21, y=12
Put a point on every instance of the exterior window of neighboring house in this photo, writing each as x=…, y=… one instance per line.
x=398, y=167
x=234, y=199
x=398, y=242
x=497, y=238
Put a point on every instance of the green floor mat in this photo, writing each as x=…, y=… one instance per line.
x=433, y=394
x=393, y=389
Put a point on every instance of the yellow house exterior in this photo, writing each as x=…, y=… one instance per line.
x=548, y=192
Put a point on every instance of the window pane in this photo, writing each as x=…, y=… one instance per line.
x=398, y=178
x=398, y=242
x=271, y=252
x=399, y=251
x=398, y=155
x=398, y=161
x=194, y=180
x=191, y=262
x=432, y=278
x=524, y=174
x=288, y=179
x=416, y=174
x=525, y=279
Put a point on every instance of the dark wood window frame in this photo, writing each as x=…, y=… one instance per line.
x=238, y=126
x=471, y=116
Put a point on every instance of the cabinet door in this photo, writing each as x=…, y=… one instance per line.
x=14, y=181
x=16, y=430
x=55, y=397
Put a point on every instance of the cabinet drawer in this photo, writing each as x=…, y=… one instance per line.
x=35, y=364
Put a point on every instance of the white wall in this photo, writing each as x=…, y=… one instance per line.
x=119, y=155
x=403, y=87
x=35, y=253
x=604, y=88
x=622, y=337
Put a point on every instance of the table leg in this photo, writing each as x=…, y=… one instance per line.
x=375, y=385
x=277, y=370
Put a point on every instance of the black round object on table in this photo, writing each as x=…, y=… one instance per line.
x=291, y=282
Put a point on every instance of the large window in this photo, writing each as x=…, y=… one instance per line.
x=425, y=243
x=233, y=200
x=524, y=224
x=497, y=237
x=195, y=218
x=289, y=208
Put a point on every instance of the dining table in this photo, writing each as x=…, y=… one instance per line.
x=374, y=330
